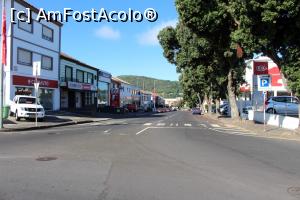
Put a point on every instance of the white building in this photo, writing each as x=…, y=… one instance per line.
x=129, y=94
x=263, y=66
x=26, y=44
x=78, y=84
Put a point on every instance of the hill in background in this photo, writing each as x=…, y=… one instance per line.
x=166, y=89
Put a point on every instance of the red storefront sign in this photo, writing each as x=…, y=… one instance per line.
x=245, y=88
x=86, y=87
x=261, y=68
x=29, y=81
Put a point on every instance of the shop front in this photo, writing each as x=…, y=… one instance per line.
x=104, y=84
x=115, y=97
x=48, y=93
x=78, y=95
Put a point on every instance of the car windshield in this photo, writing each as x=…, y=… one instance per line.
x=27, y=100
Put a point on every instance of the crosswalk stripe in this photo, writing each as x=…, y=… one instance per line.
x=171, y=124
x=215, y=125
x=224, y=128
x=148, y=124
x=204, y=125
x=161, y=124
x=188, y=125
x=177, y=124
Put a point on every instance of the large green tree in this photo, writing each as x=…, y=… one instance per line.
x=271, y=27
x=195, y=59
x=213, y=21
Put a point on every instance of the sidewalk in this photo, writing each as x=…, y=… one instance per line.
x=261, y=130
x=52, y=119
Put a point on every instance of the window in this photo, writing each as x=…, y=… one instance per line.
x=69, y=74
x=103, y=93
x=80, y=76
x=47, y=63
x=25, y=26
x=90, y=79
x=24, y=57
x=88, y=98
x=47, y=33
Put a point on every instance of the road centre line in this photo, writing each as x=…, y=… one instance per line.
x=138, y=133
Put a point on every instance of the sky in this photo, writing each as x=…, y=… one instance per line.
x=119, y=48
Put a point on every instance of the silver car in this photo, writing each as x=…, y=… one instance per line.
x=286, y=105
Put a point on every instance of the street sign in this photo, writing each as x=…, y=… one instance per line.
x=264, y=83
x=36, y=71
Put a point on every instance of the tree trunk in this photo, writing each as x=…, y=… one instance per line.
x=204, y=103
x=232, y=96
x=209, y=104
x=217, y=105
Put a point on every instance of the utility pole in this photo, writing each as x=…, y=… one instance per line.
x=154, y=97
x=3, y=60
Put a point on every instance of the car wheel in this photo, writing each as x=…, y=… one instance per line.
x=11, y=113
x=271, y=111
x=16, y=116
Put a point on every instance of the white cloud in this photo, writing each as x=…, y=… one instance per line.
x=150, y=37
x=106, y=32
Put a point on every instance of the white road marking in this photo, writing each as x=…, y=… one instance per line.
x=107, y=131
x=161, y=124
x=215, y=125
x=177, y=124
x=204, y=125
x=148, y=124
x=188, y=125
x=138, y=133
x=171, y=124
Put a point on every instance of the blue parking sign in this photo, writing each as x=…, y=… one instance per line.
x=264, y=82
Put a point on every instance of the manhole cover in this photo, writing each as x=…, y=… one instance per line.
x=49, y=158
x=294, y=191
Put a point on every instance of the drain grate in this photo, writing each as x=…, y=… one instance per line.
x=294, y=191
x=48, y=158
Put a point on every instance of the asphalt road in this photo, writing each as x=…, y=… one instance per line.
x=173, y=156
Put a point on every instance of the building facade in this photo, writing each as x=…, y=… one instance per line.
x=104, y=85
x=263, y=67
x=115, y=100
x=38, y=42
x=78, y=84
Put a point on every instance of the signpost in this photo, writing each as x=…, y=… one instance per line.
x=264, y=83
x=36, y=72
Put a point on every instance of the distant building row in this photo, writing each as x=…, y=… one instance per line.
x=65, y=82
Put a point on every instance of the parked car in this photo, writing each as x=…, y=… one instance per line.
x=174, y=108
x=282, y=105
x=25, y=107
x=196, y=111
x=131, y=107
x=224, y=109
x=246, y=109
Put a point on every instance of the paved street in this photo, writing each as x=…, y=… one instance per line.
x=167, y=156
